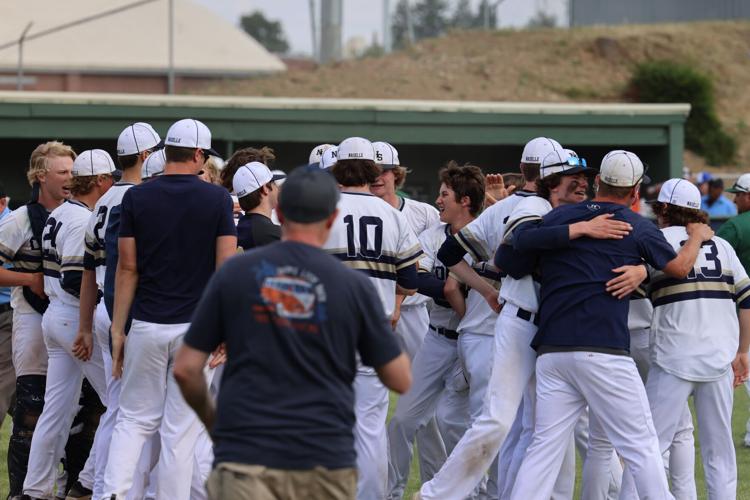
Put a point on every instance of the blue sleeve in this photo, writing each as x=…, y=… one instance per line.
x=406, y=277
x=652, y=245
x=127, y=226
x=451, y=252
x=226, y=217
x=534, y=235
x=515, y=263
x=430, y=286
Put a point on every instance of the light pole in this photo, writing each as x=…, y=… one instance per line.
x=19, y=77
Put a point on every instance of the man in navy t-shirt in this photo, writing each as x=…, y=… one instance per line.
x=295, y=320
x=583, y=339
x=174, y=232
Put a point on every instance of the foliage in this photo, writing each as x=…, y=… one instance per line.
x=542, y=20
x=269, y=34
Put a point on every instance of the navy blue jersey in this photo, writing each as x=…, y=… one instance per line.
x=175, y=220
x=575, y=308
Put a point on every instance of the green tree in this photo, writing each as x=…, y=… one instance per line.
x=463, y=17
x=542, y=20
x=431, y=18
x=269, y=34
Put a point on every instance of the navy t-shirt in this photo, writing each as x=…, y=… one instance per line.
x=575, y=309
x=175, y=220
x=293, y=319
x=255, y=230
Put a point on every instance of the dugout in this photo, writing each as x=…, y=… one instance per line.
x=426, y=133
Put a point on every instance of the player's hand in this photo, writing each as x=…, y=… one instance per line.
x=628, y=280
x=395, y=316
x=741, y=368
x=604, y=227
x=37, y=284
x=492, y=301
x=83, y=345
x=698, y=229
x=495, y=189
x=219, y=356
x=118, y=353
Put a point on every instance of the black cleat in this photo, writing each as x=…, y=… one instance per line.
x=78, y=492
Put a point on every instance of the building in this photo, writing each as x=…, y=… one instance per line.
x=123, y=46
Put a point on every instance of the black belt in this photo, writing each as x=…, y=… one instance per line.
x=4, y=308
x=527, y=316
x=449, y=334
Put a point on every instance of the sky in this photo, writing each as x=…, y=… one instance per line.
x=362, y=18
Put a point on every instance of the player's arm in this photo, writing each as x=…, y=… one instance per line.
x=397, y=310
x=188, y=372
x=680, y=266
x=35, y=281
x=741, y=365
x=226, y=233
x=83, y=344
x=454, y=295
x=126, y=281
x=530, y=237
x=451, y=254
x=226, y=246
x=396, y=374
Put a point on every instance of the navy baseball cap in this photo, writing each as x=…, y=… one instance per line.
x=309, y=195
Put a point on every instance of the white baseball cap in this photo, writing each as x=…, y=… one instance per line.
x=742, y=185
x=622, y=168
x=559, y=161
x=536, y=149
x=251, y=176
x=317, y=153
x=190, y=133
x=385, y=155
x=279, y=176
x=154, y=165
x=680, y=192
x=329, y=158
x=93, y=162
x=137, y=138
x=356, y=148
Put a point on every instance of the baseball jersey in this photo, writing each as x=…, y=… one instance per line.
x=523, y=292
x=373, y=237
x=695, y=331
x=480, y=238
x=419, y=216
x=20, y=251
x=63, y=248
x=641, y=311
x=441, y=315
x=96, y=254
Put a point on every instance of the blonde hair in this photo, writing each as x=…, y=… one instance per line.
x=212, y=170
x=39, y=161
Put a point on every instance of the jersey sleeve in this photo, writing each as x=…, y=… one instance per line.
x=376, y=343
x=71, y=249
x=409, y=249
x=226, y=225
x=206, y=330
x=127, y=222
x=474, y=237
x=94, y=255
x=532, y=208
x=12, y=237
x=432, y=216
x=653, y=246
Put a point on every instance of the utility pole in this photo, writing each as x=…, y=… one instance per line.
x=314, y=32
x=330, y=35
x=170, y=30
x=409, y=23
x=387, y=45
x=19, y=77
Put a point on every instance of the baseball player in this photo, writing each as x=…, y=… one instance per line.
x=413, y=317
x=317, y=154
x=49, y=175
x=583, y=340
x=459, y=202
x=698, y=347
x=134, y=147
x=373, y=237
x=255, y=187
x=62, y=253
x=479, y=239
x=161, y=236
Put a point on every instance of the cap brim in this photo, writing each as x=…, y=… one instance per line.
x=580, y=169
x=734, y=190
x=212, y=152
x=278, y=177
x=117, y=174
x=645, y=179
x=159, y=145
x=387, y=166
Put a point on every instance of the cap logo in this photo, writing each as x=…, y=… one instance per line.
x=532, y=159
x=692, y=204
x=175, y=139
x=335, y=154
x=355, y=155
x=379, y=156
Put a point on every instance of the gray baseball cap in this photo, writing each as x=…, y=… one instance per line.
x=309, y=195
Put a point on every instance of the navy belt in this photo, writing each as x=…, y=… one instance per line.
x=528, y=316
x=449, y=334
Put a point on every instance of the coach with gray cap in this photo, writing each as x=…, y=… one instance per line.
x=284, y=418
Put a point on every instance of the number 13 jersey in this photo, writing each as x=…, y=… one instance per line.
x=371, y=236
x=695, y=331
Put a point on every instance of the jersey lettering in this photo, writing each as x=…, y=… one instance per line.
x=51, y=235
x=365, y=222
x=712, y=258
x=101, y=219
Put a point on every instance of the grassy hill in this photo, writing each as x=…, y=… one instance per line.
x=590, y=64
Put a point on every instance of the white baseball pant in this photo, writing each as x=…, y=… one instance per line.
x=602, y=470
x=610, y=385
x=29, y=351
x=413, y=324
x=431, y=367
x=151, y=401
x=7, y=373
x=713, y=410
x=64, y=377
x=370, y=436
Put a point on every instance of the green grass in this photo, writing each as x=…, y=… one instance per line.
x=739, y=418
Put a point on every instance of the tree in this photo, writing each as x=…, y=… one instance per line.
x=463, y=17
x=542, y=20
x=431, y=18
x=269, y=34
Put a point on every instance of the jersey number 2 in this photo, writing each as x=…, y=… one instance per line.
x=365, y=248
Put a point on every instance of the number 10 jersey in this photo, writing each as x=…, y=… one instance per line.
x=371, y=236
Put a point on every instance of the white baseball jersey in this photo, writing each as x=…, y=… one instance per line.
x=695, y=331
x=523, y=293
x=97, y=226
x=641, y=312
x=62, y=248
x=371, y=236
x=419, y=216
x=19, y=250
x=441, y=315
x=480, y=238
